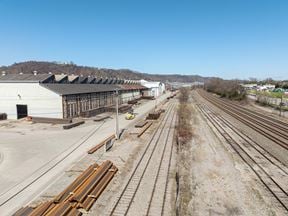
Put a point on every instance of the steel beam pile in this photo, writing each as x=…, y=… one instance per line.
x=155, y=115
x=98, y=146
x=135, y=101
x=144, y=129
x=148, y=97
x=80, y=194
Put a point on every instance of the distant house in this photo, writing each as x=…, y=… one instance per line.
x=249, y=86
x=266, y=87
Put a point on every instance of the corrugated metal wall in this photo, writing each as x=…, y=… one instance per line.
x=40, y=101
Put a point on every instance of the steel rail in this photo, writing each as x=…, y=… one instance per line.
x=159, y=128
x=254, y=126
x=281, y=123
x=229, y=140
x=168, y=172
x=159, y=167
x=266, y=124
x=280, y=165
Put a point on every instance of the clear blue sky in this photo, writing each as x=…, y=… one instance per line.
x=226, y=38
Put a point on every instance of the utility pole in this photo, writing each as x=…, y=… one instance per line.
x=280, y=105
x=155, y=104
x=117, y=114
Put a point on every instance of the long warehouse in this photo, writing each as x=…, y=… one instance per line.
x=63, y=96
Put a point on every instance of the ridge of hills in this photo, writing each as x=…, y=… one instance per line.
x=71, y=68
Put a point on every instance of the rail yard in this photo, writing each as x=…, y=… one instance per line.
x=261, y=143
x=234, y=164
x=144, y=108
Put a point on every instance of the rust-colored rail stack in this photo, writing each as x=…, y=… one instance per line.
x=80, y=194
x=98, y=146
x=148, y=97
x=144, y=129
x=135, y=101
x=155, y=115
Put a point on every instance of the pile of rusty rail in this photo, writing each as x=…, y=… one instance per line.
x=144, y=129
x=101, y=118
x=46, y=120
x=121, y=109
x=171, y=96
x=73, y=124
x=125, y=108
x=98, y=146
x=155, y=115
x=80, y=194
x=148, y=97
x=141, y=124
x=134, y=101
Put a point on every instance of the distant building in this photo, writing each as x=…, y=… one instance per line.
x=62, y=96
x=266, y=87
x=249, y=86
x=254, y=86
x=155, y=88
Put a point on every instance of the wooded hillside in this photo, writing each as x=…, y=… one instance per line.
x=71, y=68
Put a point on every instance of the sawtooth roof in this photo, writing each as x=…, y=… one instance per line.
x=68, y=89
x=26, y=78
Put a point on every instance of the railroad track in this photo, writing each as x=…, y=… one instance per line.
x=269, y=170
x=145, y=191
x=268, y=128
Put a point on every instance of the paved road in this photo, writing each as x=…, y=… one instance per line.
x=43, y=154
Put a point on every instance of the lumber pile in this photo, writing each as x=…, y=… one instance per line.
x=80, y=194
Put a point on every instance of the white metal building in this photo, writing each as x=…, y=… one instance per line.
x=22, y=95
x=155, y=88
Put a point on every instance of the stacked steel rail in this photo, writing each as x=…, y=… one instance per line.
x=131, y=196
x=80, y=194
x=273, y=129
x=270, y=171
x=54, y=164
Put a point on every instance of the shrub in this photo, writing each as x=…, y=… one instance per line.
x=184, y=116
x=230, y=89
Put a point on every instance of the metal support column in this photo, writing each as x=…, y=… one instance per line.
x=117, y=114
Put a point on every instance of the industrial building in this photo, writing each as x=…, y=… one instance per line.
x=63, y=96
x=154, y=88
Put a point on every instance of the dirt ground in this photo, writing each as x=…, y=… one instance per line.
x=42, y=152
x=214, y=181
x=125, y=155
